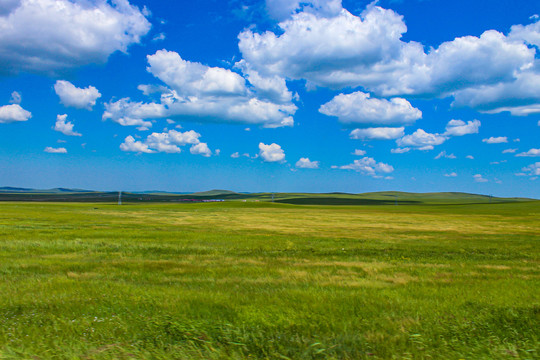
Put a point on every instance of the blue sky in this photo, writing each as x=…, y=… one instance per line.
x=314, y=96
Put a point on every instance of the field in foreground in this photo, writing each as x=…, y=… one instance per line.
x=260, y=280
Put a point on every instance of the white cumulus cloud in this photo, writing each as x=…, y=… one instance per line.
x=128, y=113
x=532, y=170
x=13, y=113
x=52, y=150
x=271, y=87
x=16, y=98
x=400, y=150
x=52, y=36
x=305, y=163
x=192, y=78
x=530, y=34
x=421, y=140
x=368, y=166
x=331, y=51
x=131, y=145
x=460, y=127
x=64, y=126
x=360, y=108
x=492, y=72
x=358, y=152
x=496, y=140
x=520, y=97
x=81, y=98
x=443, y=154
x=201, y=149
x=198, y=91
x=530, y=153
x=271, y=153
x=380, y=133
x=167, y=142
x=479, y=178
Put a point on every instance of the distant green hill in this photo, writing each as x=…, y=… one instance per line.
x=336, y=198
x=214, y=193
x=384, y=198
x=9, y=189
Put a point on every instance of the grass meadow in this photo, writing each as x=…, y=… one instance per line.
x=256, y=280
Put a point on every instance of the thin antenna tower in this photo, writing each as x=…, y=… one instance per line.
x=119, y=198
x=272, y=197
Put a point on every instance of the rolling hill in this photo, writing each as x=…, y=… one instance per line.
x=335, y=198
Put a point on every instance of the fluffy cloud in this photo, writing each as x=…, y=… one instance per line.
x=162, y=142
x=460, y=128
x=52, y=150
x=13, y=113
x=369, y=166
x=496, y=140
x=509, y=83
x=235, y=155
x=360, y=108
x=532, y=170
x=530, y=153
x=65, y=127
x=271, y=153
x=16, y=98
x=159, y=37
x=382, y=133
x=327, y=51
x=421, y=140
x=443, y=154
x=400, y=150
x=131, y=145
x=479, y=178
x=273, y=87
x=80, y=98
x=509, y=151
x=471, y=61
x=198, y=91
x=520, y=97
x=530, y=34
x=359, y=152
x=453, y=174
x=50, y=36
x=337, y=49
x=167, y=142
x=128, y=113
x=201, y=149
x=305, y=163
x=194, y=79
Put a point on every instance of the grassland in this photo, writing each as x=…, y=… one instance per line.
x=247, y=280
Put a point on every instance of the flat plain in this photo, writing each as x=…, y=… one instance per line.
x=240, y=280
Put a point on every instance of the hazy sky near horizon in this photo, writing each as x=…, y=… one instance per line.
x=275, y=95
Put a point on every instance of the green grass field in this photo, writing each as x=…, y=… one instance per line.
x=241, y=280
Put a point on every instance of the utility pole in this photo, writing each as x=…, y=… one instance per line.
x=119, y=198
x=272, y=197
